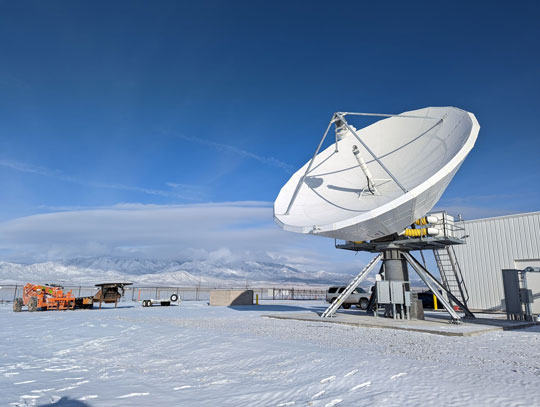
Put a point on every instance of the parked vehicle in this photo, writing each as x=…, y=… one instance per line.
x=359, y=297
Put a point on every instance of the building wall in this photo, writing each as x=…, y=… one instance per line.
x=493, y=244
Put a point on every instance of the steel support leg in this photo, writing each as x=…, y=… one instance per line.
x=331, y=310
x=468, y=313
x=432, y=283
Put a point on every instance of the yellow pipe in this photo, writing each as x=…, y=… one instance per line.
x=435, y=306
x=421, y=221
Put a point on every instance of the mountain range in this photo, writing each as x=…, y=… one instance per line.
x=157, y=272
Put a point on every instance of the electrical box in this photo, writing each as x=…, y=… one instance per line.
x=519, y=292
x=408, y=298
x=511, y=292
x=526, y=295
x=533, y=283
x=383, y=292
x=396, y=292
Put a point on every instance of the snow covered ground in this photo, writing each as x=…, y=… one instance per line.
x=196, y=355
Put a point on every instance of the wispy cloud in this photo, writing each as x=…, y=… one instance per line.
x=244, y=230
x=32, y=169
x=191, y=192
x=243, y=153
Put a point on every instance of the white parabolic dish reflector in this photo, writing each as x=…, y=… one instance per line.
x=417, y=155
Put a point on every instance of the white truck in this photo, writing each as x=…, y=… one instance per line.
x=359, y=297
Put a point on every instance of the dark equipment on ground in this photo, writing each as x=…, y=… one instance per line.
x=110, y=293
x=84, y=302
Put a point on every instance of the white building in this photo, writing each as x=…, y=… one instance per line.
x=493, y=244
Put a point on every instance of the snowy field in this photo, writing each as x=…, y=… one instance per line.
x=196, y=355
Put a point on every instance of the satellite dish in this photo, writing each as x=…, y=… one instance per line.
x=378, y=180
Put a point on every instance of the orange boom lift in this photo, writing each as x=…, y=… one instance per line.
x=44, y=298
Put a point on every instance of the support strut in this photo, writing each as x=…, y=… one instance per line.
x=417, y=266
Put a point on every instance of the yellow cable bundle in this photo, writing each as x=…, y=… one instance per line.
x=416, y=232
x=426, y=220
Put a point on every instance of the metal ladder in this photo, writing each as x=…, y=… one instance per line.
x=331, y=310
x=451, y=275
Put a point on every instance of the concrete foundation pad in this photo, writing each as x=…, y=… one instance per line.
x=433, y=324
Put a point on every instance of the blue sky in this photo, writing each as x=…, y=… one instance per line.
x=165, y=104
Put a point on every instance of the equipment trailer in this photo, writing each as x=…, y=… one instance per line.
x=162, y=302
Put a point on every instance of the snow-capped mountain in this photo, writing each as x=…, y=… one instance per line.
x=164, y=272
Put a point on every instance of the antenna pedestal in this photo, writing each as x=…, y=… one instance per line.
x=396, y=274
x=395, y=266
x=394, y=291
